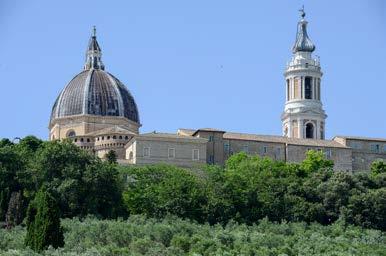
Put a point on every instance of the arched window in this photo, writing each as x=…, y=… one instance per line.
x=308, y=87
x=71, y=133
x=131, y=155
x=309, y=131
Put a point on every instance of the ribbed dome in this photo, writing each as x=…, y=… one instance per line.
x=95, y=92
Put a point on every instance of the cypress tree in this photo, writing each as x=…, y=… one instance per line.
x=14, y=214
x=43, y=222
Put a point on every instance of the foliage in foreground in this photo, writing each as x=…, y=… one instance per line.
x=43, y=222
x=250, y=188
x=173, y=236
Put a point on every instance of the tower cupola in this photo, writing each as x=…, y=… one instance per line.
x=303, y=115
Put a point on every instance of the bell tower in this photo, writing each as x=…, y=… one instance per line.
x=303, y=115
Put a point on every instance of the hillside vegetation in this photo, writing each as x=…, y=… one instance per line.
x=173, y=236
x=246, y=191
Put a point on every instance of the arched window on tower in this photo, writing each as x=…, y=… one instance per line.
x=308, y=87
x=309, y=131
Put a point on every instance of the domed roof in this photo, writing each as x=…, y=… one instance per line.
x=95, y=92
x=303, y=43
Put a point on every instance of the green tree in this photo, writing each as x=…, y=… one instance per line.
x=367, y=209
x=5, y=142
x=111, y=157
x=15, y=211
x=162, y=189
x=378, y=166
x=316, y=161
x=84, y=183
x=10, y=166
x=43, y=222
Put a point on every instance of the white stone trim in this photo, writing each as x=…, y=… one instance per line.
x=86, y=89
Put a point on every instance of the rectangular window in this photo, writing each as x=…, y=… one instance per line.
x=384, y=148
x=196, y=154
x=308, y=88
x=277, y=153
x=356, y=145
x=211, y=159
x=146, y=152
x=210, y=138
x=328, y=153
x=246, y=148
x=171, y=153
x=374, y=148
x=264, y=150
x=226, y=147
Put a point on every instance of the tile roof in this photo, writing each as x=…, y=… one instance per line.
x=360, y=138
x=186, y=132
x=284, y=140
x=163, y=135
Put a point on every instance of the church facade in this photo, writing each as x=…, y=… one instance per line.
x=98, y=113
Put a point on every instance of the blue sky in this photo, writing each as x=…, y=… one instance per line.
x=192, y=64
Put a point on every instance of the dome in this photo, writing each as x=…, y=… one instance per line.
x=95, y=91
x=303, y=43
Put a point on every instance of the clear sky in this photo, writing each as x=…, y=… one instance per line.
x=192, y=64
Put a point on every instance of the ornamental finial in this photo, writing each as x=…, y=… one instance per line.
x=94, y=31
x=302, y=13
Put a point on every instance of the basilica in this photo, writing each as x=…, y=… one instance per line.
x=98, y=113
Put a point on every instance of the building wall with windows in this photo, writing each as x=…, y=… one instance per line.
x=364, y=150
x=278, y=148
x=154, y=148
x=272, y=150
x=214, y=146
x=341, y=156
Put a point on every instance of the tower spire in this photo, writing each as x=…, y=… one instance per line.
x=93, y=53
x=302, y=13
x=302, y=43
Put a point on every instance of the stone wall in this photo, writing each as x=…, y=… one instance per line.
x=273, y=150
x=340, y=156
x=159, y=152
